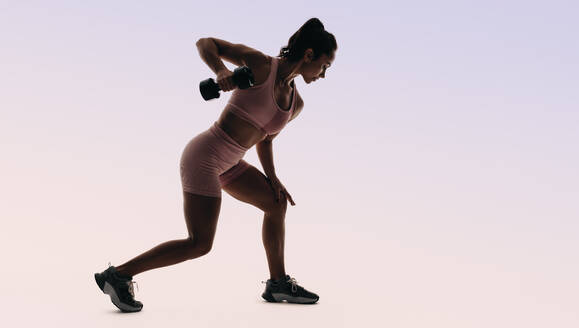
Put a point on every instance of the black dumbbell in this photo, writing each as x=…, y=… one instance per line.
x=242, y=77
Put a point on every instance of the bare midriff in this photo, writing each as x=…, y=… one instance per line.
x=240, y=130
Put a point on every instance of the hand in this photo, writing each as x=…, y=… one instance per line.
x=279, y=188
x=225, y=80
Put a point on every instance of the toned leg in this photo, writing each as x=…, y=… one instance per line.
x=273, y=233
x=201, y=214
x=253, y=187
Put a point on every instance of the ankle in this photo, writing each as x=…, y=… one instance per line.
x=277, y=278
x=121, y=272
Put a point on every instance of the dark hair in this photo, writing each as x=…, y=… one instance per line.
x=311, y=35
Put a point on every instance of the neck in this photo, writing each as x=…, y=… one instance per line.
x=287, y=71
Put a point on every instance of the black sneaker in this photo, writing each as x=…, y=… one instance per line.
x=119, y=288
x=287, y=288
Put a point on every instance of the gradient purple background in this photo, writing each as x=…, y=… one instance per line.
x=434, y=170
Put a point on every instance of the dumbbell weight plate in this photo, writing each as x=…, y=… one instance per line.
x=209, y=89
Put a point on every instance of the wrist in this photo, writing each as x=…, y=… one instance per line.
x=223, y=69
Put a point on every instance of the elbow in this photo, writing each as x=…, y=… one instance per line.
x=201, y=41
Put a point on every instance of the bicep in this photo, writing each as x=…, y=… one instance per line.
x=299, y=107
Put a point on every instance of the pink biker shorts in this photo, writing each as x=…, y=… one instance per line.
x=210, y=161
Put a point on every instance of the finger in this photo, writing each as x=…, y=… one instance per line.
x=290, y=199
x=287, y=196
x=222, y=84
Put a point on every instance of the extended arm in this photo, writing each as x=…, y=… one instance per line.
x=265, y=153
x=265, y=148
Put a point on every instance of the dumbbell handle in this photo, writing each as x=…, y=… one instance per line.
x=210, y=89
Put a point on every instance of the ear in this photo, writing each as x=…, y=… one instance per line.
x=309, y=55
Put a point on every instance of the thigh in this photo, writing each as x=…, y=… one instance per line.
x=200, y=166
x=201, y=214
x=204, y=161
x=254, y=188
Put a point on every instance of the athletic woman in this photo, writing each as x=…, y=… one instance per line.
x=213, y=160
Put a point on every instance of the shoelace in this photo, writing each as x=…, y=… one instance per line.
x=131, y=290
x=293, y=281
x=294, y=284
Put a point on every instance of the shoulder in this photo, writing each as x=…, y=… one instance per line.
x=299, y=101
x=260, y=66
x=299, y=106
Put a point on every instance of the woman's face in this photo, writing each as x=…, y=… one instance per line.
x=313, y=70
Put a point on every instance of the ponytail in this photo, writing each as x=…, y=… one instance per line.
x=310, y=35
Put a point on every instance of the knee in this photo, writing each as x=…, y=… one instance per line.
x=198, y=247
x=204, y=249
x=278, y=207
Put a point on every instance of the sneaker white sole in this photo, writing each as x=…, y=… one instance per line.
x=109, y=290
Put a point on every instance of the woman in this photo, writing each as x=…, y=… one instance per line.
x=213, y=160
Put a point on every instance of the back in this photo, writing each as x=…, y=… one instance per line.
x=257, y=104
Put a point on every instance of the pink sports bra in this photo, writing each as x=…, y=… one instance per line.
x=257, y=104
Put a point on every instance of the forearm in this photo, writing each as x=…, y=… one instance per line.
x=265, y=153
x=210, y=55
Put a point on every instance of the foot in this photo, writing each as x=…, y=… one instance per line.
x=119, y=288
x=287, y=288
